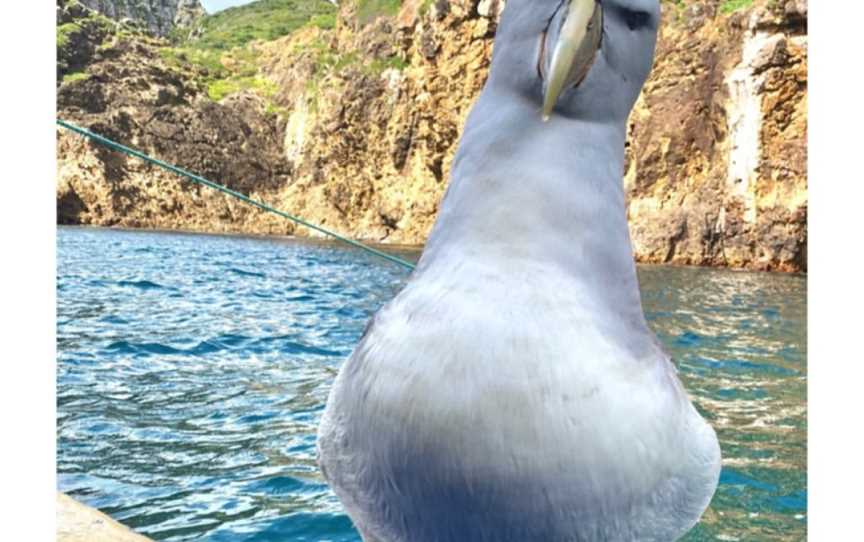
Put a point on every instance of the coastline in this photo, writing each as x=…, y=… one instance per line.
x=318, y=240
x=410, y=250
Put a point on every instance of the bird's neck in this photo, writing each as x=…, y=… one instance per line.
x=532, y=199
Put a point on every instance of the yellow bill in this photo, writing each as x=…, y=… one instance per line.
x=574, y=51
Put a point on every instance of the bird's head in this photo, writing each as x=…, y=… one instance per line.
x=580, y=59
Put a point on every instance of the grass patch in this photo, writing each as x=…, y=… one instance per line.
x=264, y=19
x=273, y=109
x=75, y=76
x=229, y=64
x=369, y=10
x=394, y=62
x=95, y=29
x=219, y=89
x=65, y=32
x=729, y=6
x=210, y=61
x=224, y=72
x=77, y=41
x=324, y=21
x=328, y=61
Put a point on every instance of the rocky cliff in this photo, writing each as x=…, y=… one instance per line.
x=718, y=149
x=354, y=124
x=159, y=17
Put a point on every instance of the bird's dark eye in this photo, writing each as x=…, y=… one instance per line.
x=636, y=19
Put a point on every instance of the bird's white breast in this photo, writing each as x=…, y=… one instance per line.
x=493, y=409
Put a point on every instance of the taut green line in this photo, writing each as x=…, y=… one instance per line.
x=233, y=193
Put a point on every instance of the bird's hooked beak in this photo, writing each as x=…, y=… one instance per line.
x=574, y=50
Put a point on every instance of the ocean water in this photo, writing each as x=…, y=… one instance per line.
x=192, y=371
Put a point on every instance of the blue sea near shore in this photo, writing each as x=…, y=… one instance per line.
x=192, y=371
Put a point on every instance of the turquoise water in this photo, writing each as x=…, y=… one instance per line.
x=192, y=371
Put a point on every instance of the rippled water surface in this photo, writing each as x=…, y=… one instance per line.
x=192, y=371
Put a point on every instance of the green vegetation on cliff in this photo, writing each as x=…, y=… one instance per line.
x=264, y=19
x=65, y=33
x=728, y=6
x=221, y=47
x=367, y=10
x=223, y=72
x=75, y=76
x=80, y=32
x=225, y=87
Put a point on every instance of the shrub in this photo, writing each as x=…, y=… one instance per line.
x=264, y=19
x=728, y=6
x=369, y=10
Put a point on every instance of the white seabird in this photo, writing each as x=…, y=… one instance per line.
x=512, y=391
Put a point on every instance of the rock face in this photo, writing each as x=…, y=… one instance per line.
x=159, y=17
x=131, y=94
x=371, y=112
x=717, y=154
x=372, y=138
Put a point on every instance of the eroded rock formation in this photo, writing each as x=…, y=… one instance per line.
x=717, y=156
x=370, y=114
x=159, y=17
x=131, y=94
